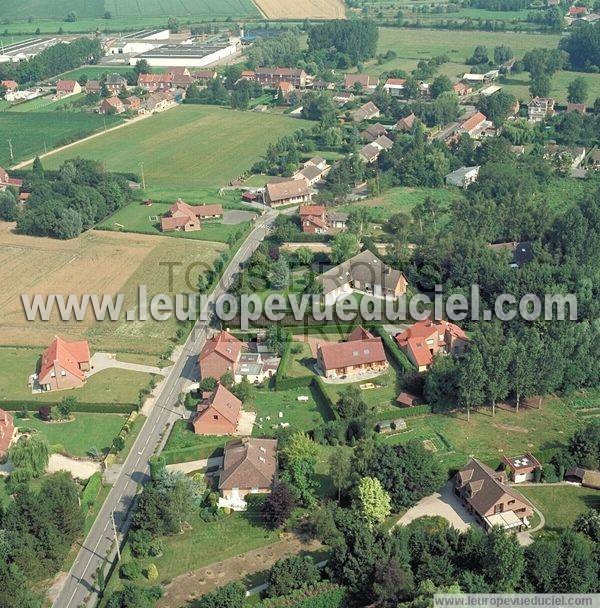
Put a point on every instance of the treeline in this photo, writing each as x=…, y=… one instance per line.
x=583, y=47
x=500, y=5
x=54, y=60
x=71, y=200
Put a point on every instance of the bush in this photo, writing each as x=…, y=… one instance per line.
x=92, y=408
x=229, y=596
x=287, y=575
x=152, y=572
x=91, y=490
x=131, y=570
x=140, y=542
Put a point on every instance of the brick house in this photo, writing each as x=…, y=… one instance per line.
x=271, y=77
x=475, y=125
x=111, y=105
x=313, y=219
x=364, y=272
x=218, y=413
x=366, y=81
x=63, y=365
x=485, y=494
x=93, y=86
x=287, y=192
x=220, y=354
x=362, y=353
x=521, y=468
x=425, y=339
x=115, y=83
x=249, y=467
x=64, y=88
x=7, y=431
x=462, y=89
x=6, y=180
x=182, y=216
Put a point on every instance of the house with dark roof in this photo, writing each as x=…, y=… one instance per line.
x=522, y=253
x=407, y=123
x=219, y=355
x=63, y=366
x=249, y=467
x=218, y=413
x=115, y=83
x=361, y=354
x=7, y=432
x=486, y=494
x=366, y=112
x=463, y=177
x=313, y=170
x=423, y=340
x=363, y=272
x=372, y=132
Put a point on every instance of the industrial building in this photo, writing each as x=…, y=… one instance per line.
x=136, y=42
x=187, y=55
x=26, y=49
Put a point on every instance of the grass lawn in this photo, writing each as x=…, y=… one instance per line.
x=191, y=146
x=382, y=398
x=561, y=505
x=300, y=363
x=489, y=438
x=182, y=436
x=136, y=217
x=38, y=131
x=300, y=415
x=47, y=104
x=403, y=199
x=207, y=543
x=76, y=437
x=108, y=386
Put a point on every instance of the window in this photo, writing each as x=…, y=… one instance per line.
x=215, y=417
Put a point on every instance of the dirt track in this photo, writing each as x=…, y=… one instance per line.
x=302, y=9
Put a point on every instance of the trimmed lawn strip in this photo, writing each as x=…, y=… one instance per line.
x=108, y=386
x=77, y=436
x=561, y=505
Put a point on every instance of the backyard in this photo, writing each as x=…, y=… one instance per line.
x=76, y=437
x=188, y=147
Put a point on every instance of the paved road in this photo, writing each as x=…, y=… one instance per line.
x=79, y=587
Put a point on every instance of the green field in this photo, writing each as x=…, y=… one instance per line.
x=561, y=505
x=187, y=147
x=127, y=9
x=108, y=386
x=77, y=436
x=34, y=132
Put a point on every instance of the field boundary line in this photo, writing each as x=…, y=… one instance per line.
x=28, y=162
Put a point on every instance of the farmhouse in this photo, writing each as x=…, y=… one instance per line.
x=182, y=216
x=540, y=108
x=271, y=77
x=364, y=80
x=220, y=354
x=155, y=82
x=218, y=413
x=475, y=125
x=65, y=88
x=112, y=105
x=249, y=467
x=7, y=431
x=362, y=353
x=425, y=339
x=6, y=180
x=406, y=124
x=365, y=112
x=364, y=272
x=485, y=494
x=521, y=468
x=63, y=365
x=462, y=89
x=394, y=86
x=462, y=177
x=287, y=192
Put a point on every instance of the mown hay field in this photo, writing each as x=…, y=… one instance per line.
x=95, y=263
x=302, y=9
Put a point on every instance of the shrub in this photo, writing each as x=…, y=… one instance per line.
x=140, y=542
x=131, y=570
x=152, y=572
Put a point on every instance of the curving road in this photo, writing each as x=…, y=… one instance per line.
x=99, y=549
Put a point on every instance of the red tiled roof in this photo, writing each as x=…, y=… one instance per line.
x=66, y=85
x=306, y=210
x=398, y=82
x=473, y=121
x=68, y=355
x=224, y=344
x=224, y=402
x=286, y=87
x=359, y=333
x=346, y=354
x=7, y=428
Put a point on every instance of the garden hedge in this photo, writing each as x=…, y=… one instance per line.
x=321, y=595
x=394, y=350
x=91, y=491
x=90, y=408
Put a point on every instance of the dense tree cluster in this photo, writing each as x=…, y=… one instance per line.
x=583, y=47
x=56, y=59
x=37, y=530
x=348, y=42
x=500, y=5
x=71, y=200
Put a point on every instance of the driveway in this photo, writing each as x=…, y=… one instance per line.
x=237, y=216
x=102, y=361
x=246, y=423
x=443, y=504
x=81, y=469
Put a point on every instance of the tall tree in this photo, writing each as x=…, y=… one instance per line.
x=472, y=379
